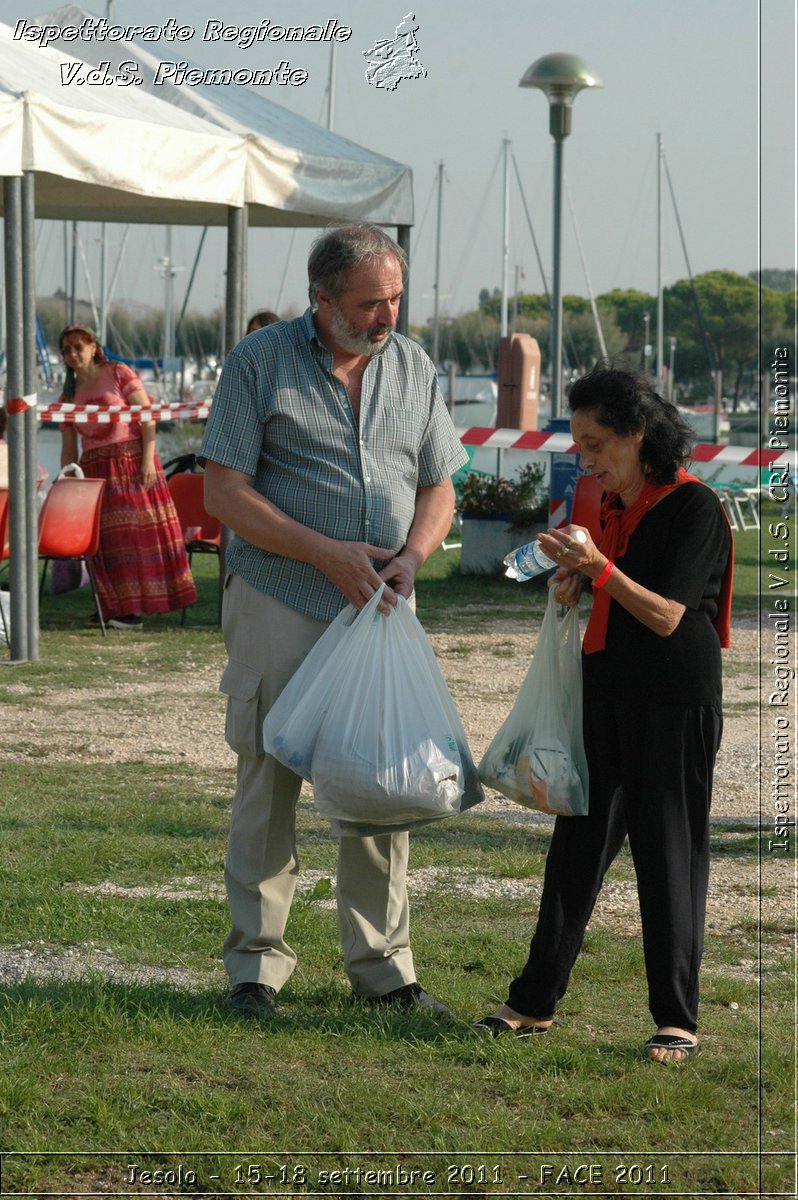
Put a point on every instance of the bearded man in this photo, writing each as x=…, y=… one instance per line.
x=329, y=453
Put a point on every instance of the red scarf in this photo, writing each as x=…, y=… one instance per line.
x=618, y=524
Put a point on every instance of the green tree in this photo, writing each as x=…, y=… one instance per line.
x=783, y=333
x=525, y=304
x=732, y=307
x=581, y=345
x=630, y=308
x=53, y=315
x=471, y=341
x=778, y=280
x=200, y=334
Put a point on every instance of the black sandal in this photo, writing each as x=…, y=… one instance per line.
x=671, y=1041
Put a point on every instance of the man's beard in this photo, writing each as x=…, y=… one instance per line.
x=353, y=340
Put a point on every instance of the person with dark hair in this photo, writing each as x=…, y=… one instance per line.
x=142, y=565
x=652, y=720
x=260, y=320
x=329, y=452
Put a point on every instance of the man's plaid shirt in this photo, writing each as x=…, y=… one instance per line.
x=280, y=416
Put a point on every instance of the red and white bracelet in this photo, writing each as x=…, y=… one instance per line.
x=605, y=574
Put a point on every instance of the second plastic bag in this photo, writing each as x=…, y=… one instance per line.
x=538, y=756
x=369, y=721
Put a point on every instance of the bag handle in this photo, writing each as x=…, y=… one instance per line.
x=570, y=617
x=351, y=614
x=70, y=471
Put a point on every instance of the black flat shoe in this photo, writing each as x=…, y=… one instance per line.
x=129, y=621
x=497, y=1027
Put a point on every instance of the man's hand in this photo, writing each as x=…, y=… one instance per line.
x=348, y=566
x=230, y=496
x=401, y=573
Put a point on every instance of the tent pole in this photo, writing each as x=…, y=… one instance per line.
x=403, y=240
x=244, y=271
x=234, y=323
x=12, y=199
x=29, y=416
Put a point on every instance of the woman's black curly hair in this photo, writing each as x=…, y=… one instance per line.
x=626, y=402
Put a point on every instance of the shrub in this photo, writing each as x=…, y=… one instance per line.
x=522, y=501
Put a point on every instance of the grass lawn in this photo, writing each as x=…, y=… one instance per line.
x=106, y=1083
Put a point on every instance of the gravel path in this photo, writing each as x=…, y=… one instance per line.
x=484, y=672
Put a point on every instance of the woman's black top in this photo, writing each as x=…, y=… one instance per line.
x=679, y=550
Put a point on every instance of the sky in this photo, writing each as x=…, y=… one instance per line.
x=714, y=78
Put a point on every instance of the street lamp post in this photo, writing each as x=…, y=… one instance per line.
x=560, y=76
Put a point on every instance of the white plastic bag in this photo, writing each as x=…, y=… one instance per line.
x=5, y=617
x=369, y=721
x=538, y=756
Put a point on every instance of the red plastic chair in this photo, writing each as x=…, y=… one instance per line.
x=202, y=532
x=69, y=526
x=586, y=505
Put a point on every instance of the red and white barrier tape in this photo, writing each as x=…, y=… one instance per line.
x=558, y=513
x=20, y=404
x=92, y=414
x=529, y=440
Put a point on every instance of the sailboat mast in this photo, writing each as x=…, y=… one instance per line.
x=660, y=374
x=103, y=322
x=592, y=298
x=168, y=275
x=505, y=237
x=331, y=88
x=74, y=274
x=436, y=317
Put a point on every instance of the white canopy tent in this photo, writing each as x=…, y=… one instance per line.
x=60, y=147
x=298, y=173
x=145, y=160
x=110, y=153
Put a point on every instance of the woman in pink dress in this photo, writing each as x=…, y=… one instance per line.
x=141, y=566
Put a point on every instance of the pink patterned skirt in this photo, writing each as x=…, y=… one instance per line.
x=142, y=565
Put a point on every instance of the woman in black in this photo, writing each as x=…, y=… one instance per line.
x=661, y=579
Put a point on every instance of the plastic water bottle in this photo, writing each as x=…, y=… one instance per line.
x=529, y=560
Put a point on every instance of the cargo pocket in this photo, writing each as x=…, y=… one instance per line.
x=243, y=727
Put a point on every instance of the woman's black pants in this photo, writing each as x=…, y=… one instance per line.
x=651, y=778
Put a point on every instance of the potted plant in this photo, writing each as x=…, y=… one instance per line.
x=499, y=514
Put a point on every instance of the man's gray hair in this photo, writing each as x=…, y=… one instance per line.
x=337, y=251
